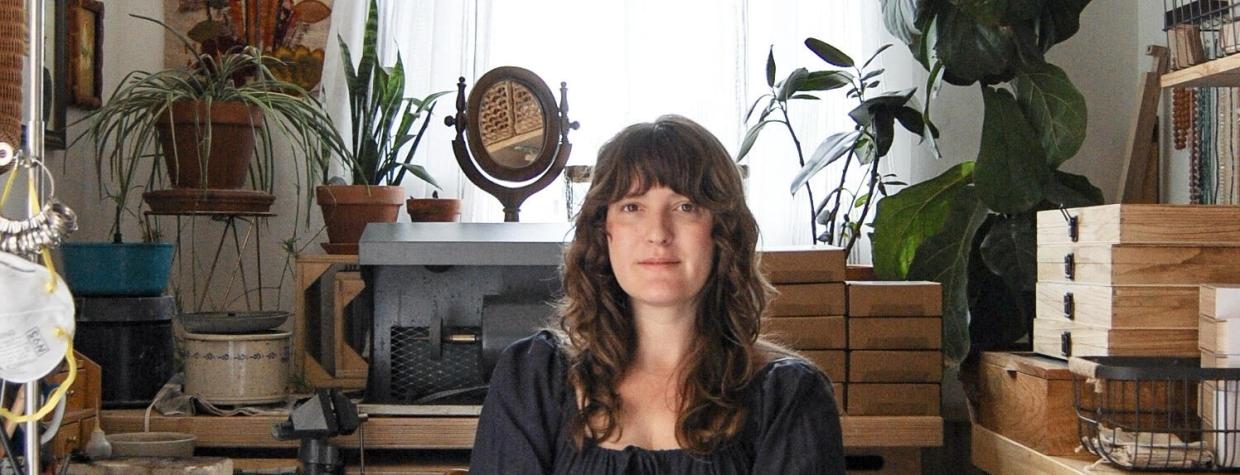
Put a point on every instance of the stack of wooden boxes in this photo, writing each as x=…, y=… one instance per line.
x=1219, y=338
x=895, y=361
x=808, y=314
x=1122, y=279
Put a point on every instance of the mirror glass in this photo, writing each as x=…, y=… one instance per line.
x=511, y=124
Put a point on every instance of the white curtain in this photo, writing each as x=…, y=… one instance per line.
x=628, y=62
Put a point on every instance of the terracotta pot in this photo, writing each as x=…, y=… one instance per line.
x=433, y=210
x=232, y=143
x=347, y=209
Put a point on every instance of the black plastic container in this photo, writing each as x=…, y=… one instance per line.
x=131, y=339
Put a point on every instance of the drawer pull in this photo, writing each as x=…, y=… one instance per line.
x=1065, y=343
x=1074, y=229
x=1069, y=266
x=1069, y=306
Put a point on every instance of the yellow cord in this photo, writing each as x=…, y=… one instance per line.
x=8, y=186
x=57, y=395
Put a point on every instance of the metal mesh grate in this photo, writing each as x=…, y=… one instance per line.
x=415, y=374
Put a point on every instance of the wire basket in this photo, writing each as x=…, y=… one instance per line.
x=1200, y=30
x=1158, y=413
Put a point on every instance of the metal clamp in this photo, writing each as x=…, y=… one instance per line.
x=1069, y=306
x=1065, y=343
x=1069, y=266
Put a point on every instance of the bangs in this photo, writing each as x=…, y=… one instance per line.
x=664, y=154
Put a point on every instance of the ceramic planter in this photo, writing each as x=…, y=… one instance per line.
x=237, y=369
x=97, y=269
x=231, y=134
x=433, y=210
x=347, y=209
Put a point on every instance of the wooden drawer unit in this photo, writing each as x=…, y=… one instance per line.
x=803, y=264
x=1138, y=264
x=894, y=299
x=895, y=366
x=1120, y=306
x=807, y=333
x=895, y=333
x=832, y=362
x=893, y=399
x=1140, y=223
x=799, y=300
x=1060, y=339
x=1028, y=398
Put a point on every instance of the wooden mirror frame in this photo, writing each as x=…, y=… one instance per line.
x=543, y=170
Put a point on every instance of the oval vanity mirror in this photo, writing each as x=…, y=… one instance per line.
x=516, y=133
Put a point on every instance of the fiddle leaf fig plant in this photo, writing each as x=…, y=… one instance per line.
x=845, y=207
x=973, y=227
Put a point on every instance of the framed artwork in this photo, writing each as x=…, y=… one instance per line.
x=85, y=38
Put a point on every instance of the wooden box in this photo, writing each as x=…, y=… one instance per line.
x=321, y=355
x=883, y=461
x=1220, y=301
x=803, y=264
x=831, y=362
x=838, y=391
x=1210, y=359
x=1219, y=336
x=1059, y=339
x=1120, y=306
x=894, y=299
x=1028, y=398
x=800, y=300
x=1139, y=264
x=895, y=333
x=807, y=333
x=895, y=366
x=893, y=399
x=1141, y=223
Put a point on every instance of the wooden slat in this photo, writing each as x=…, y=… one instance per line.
x=1142, y=224
x=895, y=333
x=1222, y=72
x=458, y=432
x=895, y=366
x=1091, y=341
x=803, y=264
x=807, y=333
x=999, y=455
x=1140, y=264
x=894, y=299
x=1134, y=186
x=803, y=300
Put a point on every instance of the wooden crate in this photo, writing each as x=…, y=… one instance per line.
x=1219, y=336
x=1120, y=306
x=895, y=366
x=895, y=333
x=1028, y=398
x=325, y=287
x=894, y=299
x=883, y=461
x=1219, y=301
x=803, y=264
x=1141, y=223
x=807, y=333
x=832, y=362
x=802, y=300
x=1049, y=337
x=1210, y=359
x=1139, y=264
x=879, y=399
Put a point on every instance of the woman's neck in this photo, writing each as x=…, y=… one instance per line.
x=664, y=338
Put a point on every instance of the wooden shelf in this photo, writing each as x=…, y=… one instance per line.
x=458, y=432
x=1222, y=72
x=999, y=455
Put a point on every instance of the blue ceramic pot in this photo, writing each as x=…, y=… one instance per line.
x=96, y=269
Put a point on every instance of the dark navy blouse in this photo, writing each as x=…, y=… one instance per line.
x=792, y=427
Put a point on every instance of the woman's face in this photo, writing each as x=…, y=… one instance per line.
x=660, y=247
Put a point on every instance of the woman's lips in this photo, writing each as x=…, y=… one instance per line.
x=656, y=261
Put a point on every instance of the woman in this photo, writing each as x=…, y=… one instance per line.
x=656, y=365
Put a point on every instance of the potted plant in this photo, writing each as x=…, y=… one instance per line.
x=206, y=123
x=383, y=145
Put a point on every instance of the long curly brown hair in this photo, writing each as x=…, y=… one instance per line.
x=595, y=319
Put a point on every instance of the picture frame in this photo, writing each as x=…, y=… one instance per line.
x=55, y=85
x=85, y=41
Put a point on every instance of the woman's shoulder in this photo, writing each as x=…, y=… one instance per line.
x=786, y=377
x=539, y=350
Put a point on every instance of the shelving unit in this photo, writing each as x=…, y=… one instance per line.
x=1222, y=72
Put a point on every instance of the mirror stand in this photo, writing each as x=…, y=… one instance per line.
x=508, y=181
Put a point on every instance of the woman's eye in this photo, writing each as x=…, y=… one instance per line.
x=628, y=207
x=687, y=207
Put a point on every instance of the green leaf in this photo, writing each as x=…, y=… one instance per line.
x=752, y=136
x=809, y=97
x=825, y=80
x=864, y=113
x=912, y=120
x=1010, y=250
x=875, y=55
x=792, y=84
x=861, y=200
x=971, y=51
x=904, y=220
x=754, y=106
x=1012, y=172
x=872, y=74
x=770, y=67
x=206, y=30
x=944, y=258
x=1056, y=110
x=830, y=150
x=900, y=18
x=1072, y=191
x=884, y=132
x=1060, y=20
x=420, y=172
x=829, y=53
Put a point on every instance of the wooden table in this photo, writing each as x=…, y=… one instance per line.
x=999, y=455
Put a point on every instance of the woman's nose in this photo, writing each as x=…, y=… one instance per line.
x=659, y=228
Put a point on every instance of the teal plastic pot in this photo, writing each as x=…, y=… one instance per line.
x=98, y=269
